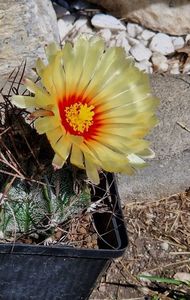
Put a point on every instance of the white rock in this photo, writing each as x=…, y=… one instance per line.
x=65, y=26
x=145, y=43
x=159, y=62
x=175, y=68
x=86, y=29
x=178, y=42
x=144, y=65
x=105, y=34
x=122, y=34
x=80, y=22
x=133, y=29
x=132, y=41
x=162, y=43
x=147, y=34
x=140, y=52
x=107, y=21
x=122, y=41
x=112, y=43
x=186, y=68
x=164, y=246
x=187, y=38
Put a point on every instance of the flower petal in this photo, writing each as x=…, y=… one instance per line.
x=58, y=75
x=46, y=124
x=51, y=51
x=41, y=97
x=63, y=147
x=40, y=66
x=91, y=63
x=58, y=161
x=136, y=161
x=55, y=135
x=77, y=157
x=91, y=171
x=23, y=101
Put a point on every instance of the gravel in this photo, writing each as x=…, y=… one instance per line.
x=151, y=51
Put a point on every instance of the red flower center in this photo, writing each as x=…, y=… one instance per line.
x=78, y=117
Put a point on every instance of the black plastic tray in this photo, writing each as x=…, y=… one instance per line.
x=64, y=273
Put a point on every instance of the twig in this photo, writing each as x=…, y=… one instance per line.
x=180, y=253
x=169, y=265
x=183, y=126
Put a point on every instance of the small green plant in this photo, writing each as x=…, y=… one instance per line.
x=38, y=207
x=171, y=292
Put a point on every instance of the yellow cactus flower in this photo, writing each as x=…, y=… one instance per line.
x=94, y=106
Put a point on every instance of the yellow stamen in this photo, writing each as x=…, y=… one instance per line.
x=79, y=116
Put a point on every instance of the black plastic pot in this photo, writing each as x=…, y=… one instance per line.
x=64, y=273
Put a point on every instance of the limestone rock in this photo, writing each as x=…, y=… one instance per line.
x=186, y=68
x=174, y=67
x=107, y=21
x=147, y=34
x=171, y=17
x=132, y=41
x=133, y=29
x=178, y=42
x=121, y=41
x=25, y=27
x=159, y=62
x=106, y=34
x=144, y=65
x=162, y=43
x=140, y=52
x=187, y=38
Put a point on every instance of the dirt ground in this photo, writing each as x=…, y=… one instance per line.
x=159, y=244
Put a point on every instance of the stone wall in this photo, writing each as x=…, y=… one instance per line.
x=25, y=27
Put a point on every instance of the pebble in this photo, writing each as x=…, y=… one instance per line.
x=186, y=68
x=133, y=29
x=160, y=62
x=80, y=23
x=144, y=65
x=162, y=43
x=187, y=38
x=178, y=42
x=86, y=29
x=140, y=52
x=132, y=41
x=164, y=246
x=147, y=34
x=145, y=43
x=174, y=69
x=107, y=21
x=105, y=34
x=65, y=26
x=123, y=42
